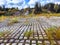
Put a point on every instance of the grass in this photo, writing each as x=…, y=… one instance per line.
x=53, y=32
x=13, y=20
x=57, y=33
x=26, y=22
x=2, y=18
x=42, y=14
x=31, y=15
x=4, y=33
x=28, y=33
x=50, y=32
x=49, y=14
x=37, y=43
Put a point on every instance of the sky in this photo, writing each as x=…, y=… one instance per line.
x=25, y=3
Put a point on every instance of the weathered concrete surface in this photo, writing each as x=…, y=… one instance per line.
x=37, y=25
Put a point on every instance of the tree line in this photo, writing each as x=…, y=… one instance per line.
x=47, y=8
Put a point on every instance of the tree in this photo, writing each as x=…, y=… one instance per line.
x=0, y=8
x=37, y=8
x=59, y=8
x=50, y=7
x=56, y=7
x=4, y=9
x=29, y=10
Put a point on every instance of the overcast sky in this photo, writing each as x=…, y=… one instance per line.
x=24, y=3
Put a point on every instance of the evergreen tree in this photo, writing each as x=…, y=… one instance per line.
x=51, y=7
x=0, y=8
x=56, y=7
x=37, y=8
x=29, y=10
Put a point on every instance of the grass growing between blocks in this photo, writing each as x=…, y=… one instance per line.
x=28, y=33
x=13, y=20
x=4, y=33
x=49, y=32
x=2, y=18
x=53, y=32
x=57, y=33
x=26, y=22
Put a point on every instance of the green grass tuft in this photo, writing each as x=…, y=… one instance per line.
x=28, y=33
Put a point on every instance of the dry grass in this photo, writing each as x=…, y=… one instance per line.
x=2, y=18
x=48, y=15
x=31, y=15
x=57, y=33
x=53, y=33
x=13, y=20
